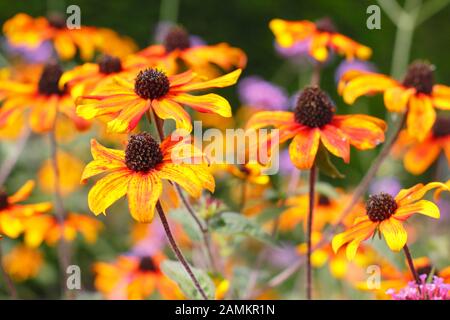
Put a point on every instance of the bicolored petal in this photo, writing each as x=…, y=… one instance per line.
x=100, y=152
x=129, y=117
x=421, y=156
x=336, y=142
x=23, y=193
x=394, y=234
x=221, y=82
x=424, y=207
x=208, y=103
x=143, y=192
x=169, y=109
x=441, y=96
x=276, y=119
x=303, y=148
x=421, y=116
x=43, y=114
x=366, y=83
x=360, y=231
x=396, y=98
x=417, y=192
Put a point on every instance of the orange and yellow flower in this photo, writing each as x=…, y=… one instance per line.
x=313, y=122
x=42, y=97
x=416, y=94
x=384, y=215
x=134, y=278
x=138, y=172
x=13, y=215
x=24, y=30
x=321, y=37
x=23, y=263
x=418, y=156
x=127, y=100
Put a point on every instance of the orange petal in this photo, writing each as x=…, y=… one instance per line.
x=270, y=118
x=129, y=117
x=144, y=191
x=424, y=207
x=209, y=103
x=100, y=152
x=441, y=96
x=64, y=46
x=421, y=116
x=43, y=114
x=366, y=83
x=394, y=234
x=303, y=148
x=363, y=229
x=108, y=190
x=396, y=98
x=318, y=48
x=181, y=78
x=168, y=109
x=23, y=193
x=406, y=196
x=221, y=82
x=289, y=32
x=336, y=142
x=421, y=156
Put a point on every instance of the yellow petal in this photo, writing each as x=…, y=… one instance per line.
x=23, y=193
x=424, y=207
x=168, y=109
x=421, y=116
x=208, y=103
x=394, y=234
x=220, y=82
x=144, y=191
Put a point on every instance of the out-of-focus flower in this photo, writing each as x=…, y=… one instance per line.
x=258, y=93
x=70, y=169
x=347, y=65
x=40, y=54
x=389, y=185
x=133, y=277
x=13, y=214
x=416, y=94
x=418, y=156
x=47, y=228
x=83, y=79
x=129, y=99
x=23, y=263
x=298, y=50
x=26, y=31
x=321, y=37
x=42, y=97
x=313, y=121
x=203, y=59
x=139, y=170
x=250, y=172
x=384, y=215
x=434, y=290
x=111, y=43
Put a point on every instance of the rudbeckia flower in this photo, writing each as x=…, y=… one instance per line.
x=23, y=263
x=138, y=172
x=420, y=155
x=177, y=45
x=13, y=214
x=321, y=37
x=127, y=100
x=43, y=97
x=83, y=79
x=24, y=30
x=313, y=121
x=250, y=172
x=385, y=215
x=135, y=278
x=417, y=94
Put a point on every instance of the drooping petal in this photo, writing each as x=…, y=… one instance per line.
x=182, y=175
x=208, y=103
x=23, y=193
x=366, y=83
x=303, y=148
x=363, y=132
x=406, y=196
x=221, y=82
x=129, y=117
x=181, y=78
x=336, y=142
x=441, y=96
x=424, y=207
x=394, y=234
x=363, y=229
x=168, y=109
x=276, y=119
x=396, y=98
x=100, y=152
x=421, y=156
x=143, y=192
x=108, y=190
x=421, y=116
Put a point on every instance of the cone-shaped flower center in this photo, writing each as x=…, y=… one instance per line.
x=441, y=127
x=49, y=81
x=142, y=153
x=147, y=264
x=109, y=64
x=420, y=76
x=314, y=108
x=151, y=84
x=326, y=25
x=380, y=207
x=3, y=200
x=324, y=200
x=177, y=38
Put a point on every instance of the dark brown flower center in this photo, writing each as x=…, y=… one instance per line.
x=380, y=207
x=326, y=25
x=441, y=127
x=108, y=64
x=147, y=265
x=3, y=200
x=56, y=20
x=151, y=84
x=49, y=80
x=314, y=108
x=420, y=76
x=177, y=38
x=142, y=153
x=324, y=200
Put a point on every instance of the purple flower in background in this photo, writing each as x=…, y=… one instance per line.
x=435, y=290
x=444, y=208
x=256, y=92
x=354, y=64
x=286, y=166
x=389, y=185
x=41, y=54
x=299, y=49
x=152, y=243
x=283, y=256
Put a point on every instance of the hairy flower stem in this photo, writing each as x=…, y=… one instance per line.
x=312, y=183
x=411, y=265
x=9, y=282
x=13, y=157
x=177, y=250
x=63, y=245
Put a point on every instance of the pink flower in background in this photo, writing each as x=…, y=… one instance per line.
x=388, y=185
x=259, y=93
x=355, y=64
x=435, y=290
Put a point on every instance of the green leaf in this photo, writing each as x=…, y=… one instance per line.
x=325, y=165
x=176, y=272
x=232, y=223
x=188, y=223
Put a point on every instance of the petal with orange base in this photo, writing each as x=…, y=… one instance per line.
x=270, y=118
x=303, y=148
x=129, y=117
x=23, y=193
x=421, y=116
x=143, y=192
x=396, y=98
x=424, y=207
x=441, y=97
x=421, y=156
x=220, y=82
x=208, y=103
x=366, y=83
x=394, y=234
x=168, y=109
x=406, y=196
x=363, y=132
x=336, y=142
